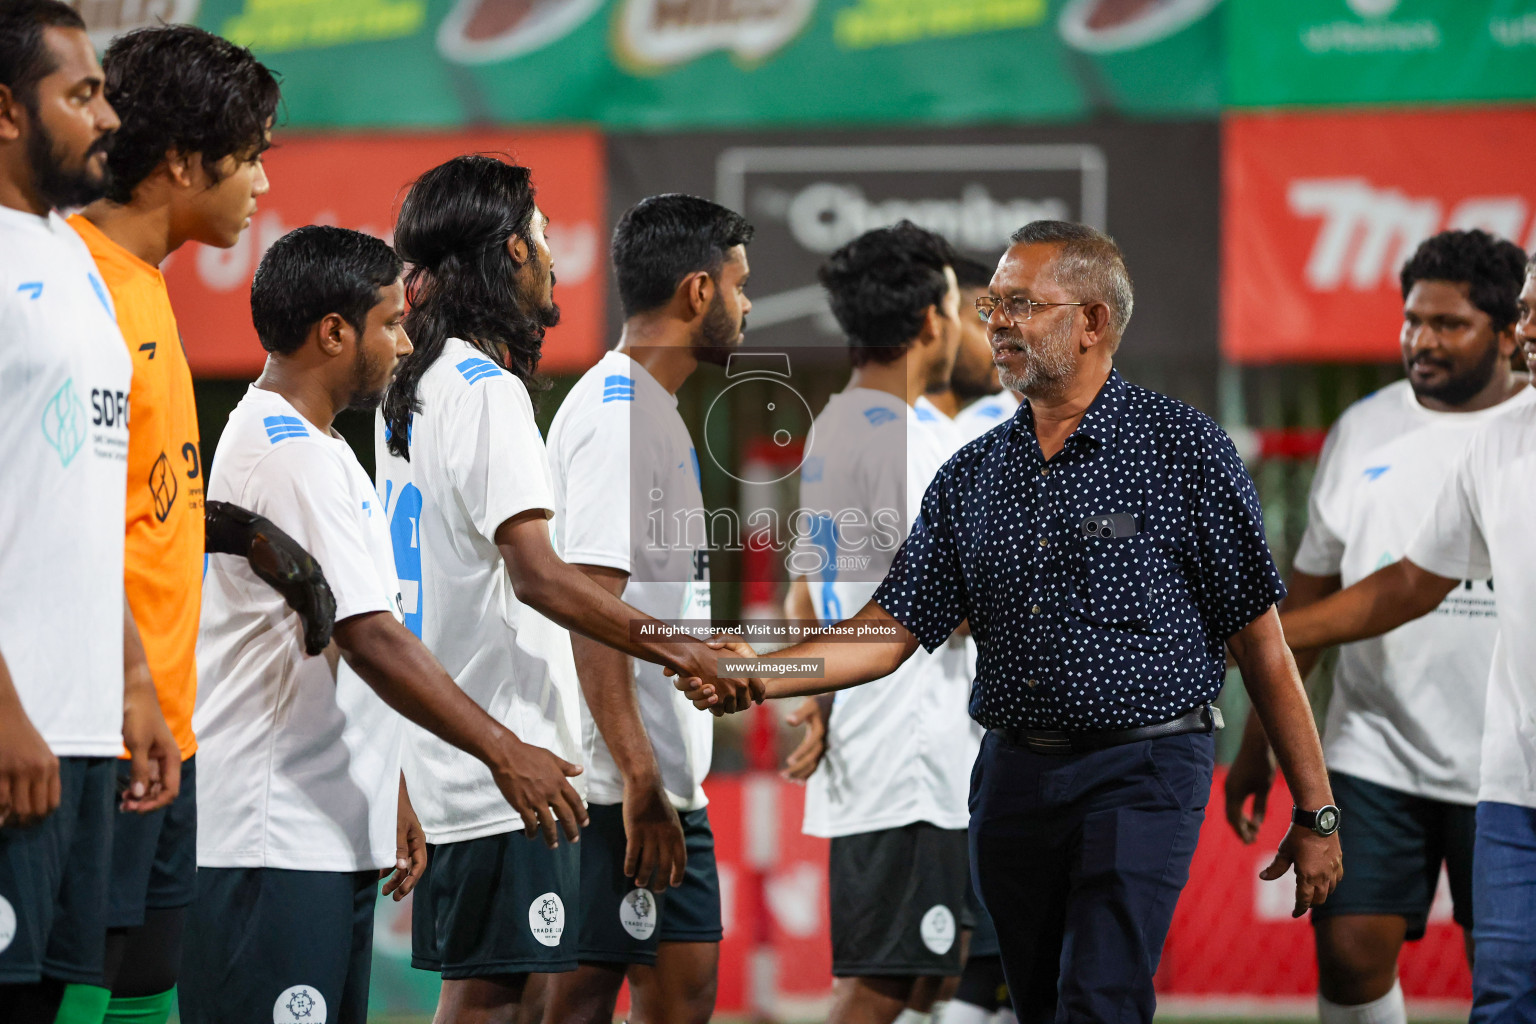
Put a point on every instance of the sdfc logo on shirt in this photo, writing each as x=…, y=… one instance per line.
x=546, y=919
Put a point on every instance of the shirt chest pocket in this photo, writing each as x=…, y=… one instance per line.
x=1114, y=581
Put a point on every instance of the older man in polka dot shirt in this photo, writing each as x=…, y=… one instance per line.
x=1106, y=546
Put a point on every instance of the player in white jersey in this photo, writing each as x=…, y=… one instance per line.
x=974, y=376
x=465, y=478
x=891, y=788
x=980, y=989
x=74, y=687
x=985, y=413
x=301, y=805
x=629, y=513
x=1405, y=721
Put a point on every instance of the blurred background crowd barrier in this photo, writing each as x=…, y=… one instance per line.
x=1266, y=165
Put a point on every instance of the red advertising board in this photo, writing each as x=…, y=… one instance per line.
x=357, y=181
x=1319, y=212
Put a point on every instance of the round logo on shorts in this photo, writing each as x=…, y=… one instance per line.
x=7, y=924
x=637, y=913
x=546, y=919
x=301, y=1004
x=938, y=929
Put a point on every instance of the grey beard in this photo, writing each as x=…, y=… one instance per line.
x=1047, y=369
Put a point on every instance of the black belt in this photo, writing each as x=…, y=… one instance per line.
x=1204, y=718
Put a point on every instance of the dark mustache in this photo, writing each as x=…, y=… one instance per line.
x=102, y=145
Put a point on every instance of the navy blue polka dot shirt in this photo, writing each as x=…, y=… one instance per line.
x=1090, y=632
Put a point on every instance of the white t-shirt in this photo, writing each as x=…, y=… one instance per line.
x=477, y=460
x=899, y=749
x=298, y=758
x=1407, y=707
x=65, y=374
x=985, y=413
x=618, y=437
x=1482, y=519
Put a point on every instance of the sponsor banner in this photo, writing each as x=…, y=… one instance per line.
x=1320, y=211
x=358, y=182
x=1380, y=51
x=1154, y=187
x=697, y=63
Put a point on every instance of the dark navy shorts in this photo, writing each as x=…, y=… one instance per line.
x=154, y=856
x=622, y=924
x=899, y=899
x=1394, y=844
x=502, y=904
x=53, y=881
x=271, y=946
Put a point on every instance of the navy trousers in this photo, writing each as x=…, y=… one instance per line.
x=1080, y=860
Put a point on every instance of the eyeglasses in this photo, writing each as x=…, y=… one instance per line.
x=1016, y=308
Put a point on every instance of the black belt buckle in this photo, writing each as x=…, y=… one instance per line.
x=1043, y=741
x=1206, y=718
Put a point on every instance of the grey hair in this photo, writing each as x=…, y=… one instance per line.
x=1090, y=263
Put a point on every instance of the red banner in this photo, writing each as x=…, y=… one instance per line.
x=1320, y=211
x=357, y=182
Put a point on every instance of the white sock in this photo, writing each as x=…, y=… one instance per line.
x=910, y=1016
x=960, y=1012
x=1389, y=1009
x=940, y=1008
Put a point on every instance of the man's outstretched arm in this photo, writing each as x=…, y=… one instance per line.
x=406, y=676
x=845, y=663
x=565, y=595
x=1387, y=598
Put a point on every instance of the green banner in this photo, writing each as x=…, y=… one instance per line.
x=702, y=63
x=1293, y=52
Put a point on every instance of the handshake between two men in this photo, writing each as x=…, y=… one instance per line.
x=870, y=645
